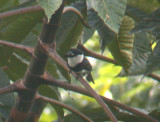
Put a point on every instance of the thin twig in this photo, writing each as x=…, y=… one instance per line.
x=8, y=89
x=38, y=8
x=27, y=49
x=95, y=55
x=64, y=106
x=52, y=81
x=53, y=54
x=20, y=11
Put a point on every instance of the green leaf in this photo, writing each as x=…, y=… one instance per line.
x=17, y=66
x=7, y=100
x=87, y=34
x=151, y=23
x=49, y=6
x=153, y=60
x=142, y=50
x=98, y=115
x=52, y=92
x=121, y=48
x=135, y=13
x=110, y=11
x=106, y=35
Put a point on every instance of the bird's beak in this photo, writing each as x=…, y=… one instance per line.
x=67, y=54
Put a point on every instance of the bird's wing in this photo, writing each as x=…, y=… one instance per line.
x=87, y=65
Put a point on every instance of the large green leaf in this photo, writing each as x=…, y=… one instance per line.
x=144, y=5
x=110, y=11
x=121, y=48
x=151, y=23
x=7, y=100
x=135, y=13
x=15, y=32
x=52, y=92
x=105, y=33
x=142, y=50
x=49, y=6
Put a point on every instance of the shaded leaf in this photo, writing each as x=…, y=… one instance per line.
x=153, y=60
x=17, y=66
x=106, y=35
x=52, y=92
x=135, y=13
x=141, y=51
x=98, y=115
x=121, y=48
x=151, y=23
x=110, y=11
x=7, y=100
x=87, y=34
x=49, y=6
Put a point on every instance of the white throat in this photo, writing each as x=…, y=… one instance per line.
x=73, y=61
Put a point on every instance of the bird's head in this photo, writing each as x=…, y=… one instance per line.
x=75, y=56
x=74, y=52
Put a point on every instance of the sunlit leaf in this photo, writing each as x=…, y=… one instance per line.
x=110, y=11
x=49, y=6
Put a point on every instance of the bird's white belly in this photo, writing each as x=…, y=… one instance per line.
x=73, y=61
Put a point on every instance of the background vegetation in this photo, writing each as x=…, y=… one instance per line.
x=126, y=32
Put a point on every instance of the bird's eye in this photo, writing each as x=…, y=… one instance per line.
x=71, y=53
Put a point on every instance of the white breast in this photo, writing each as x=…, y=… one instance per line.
x=73, y=61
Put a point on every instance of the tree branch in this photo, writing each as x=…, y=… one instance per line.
x=64, y=106
x=95, y=55
x=51, y=51
x=87, y=52
x=38, y=8
x=20, y=11
x=8, y=89
x=27, y=49
x=50, y=80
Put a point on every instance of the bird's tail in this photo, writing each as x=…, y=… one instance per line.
x=89, y=77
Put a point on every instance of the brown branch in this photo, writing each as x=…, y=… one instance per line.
x=64, y=106
x=27, y=49
x=38, y=8
x=20, y=11
x=154, y=77
x=51, y=51
x=95, y=55
x=8, y=89
x=48, y=79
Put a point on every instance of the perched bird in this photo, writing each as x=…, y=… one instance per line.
x=78, y=63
